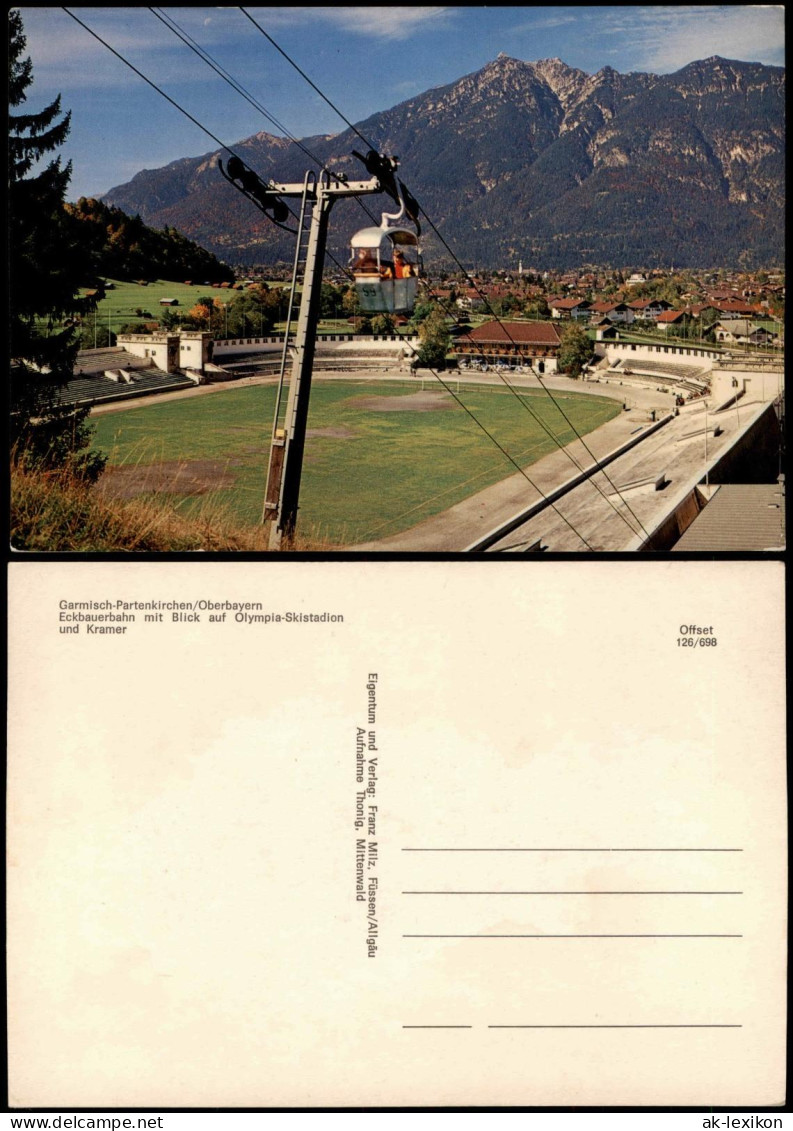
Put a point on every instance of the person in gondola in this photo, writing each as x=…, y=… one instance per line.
x=401, y=268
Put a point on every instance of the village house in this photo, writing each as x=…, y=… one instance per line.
x=742, y=331
x=674, y=320
x=470, y=300
x=649, y=308
x=703, y=311
x=604, y=330
x=721, y=294
x=614, y=311
x=732, y=308
x=568, y=307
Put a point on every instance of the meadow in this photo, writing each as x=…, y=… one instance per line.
x=380, y=456
x=119, y=305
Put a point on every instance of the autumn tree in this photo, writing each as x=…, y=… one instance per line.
x=250, y=315
x=434, y=340
x=350, y=303
x=200, y=315
x=537, y=308
x=575, y=350
x=383, y=324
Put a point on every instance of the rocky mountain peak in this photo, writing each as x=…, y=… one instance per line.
x=565, y=82
x=537, y=159
x=501, y=64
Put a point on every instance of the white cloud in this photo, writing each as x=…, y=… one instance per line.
x=409, y=86
x=542, y=24
x=65, y=54
x=54, y=38
x=664, y=38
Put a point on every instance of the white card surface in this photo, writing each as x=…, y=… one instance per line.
x=398, y=833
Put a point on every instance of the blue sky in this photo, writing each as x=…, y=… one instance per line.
x=364, y=59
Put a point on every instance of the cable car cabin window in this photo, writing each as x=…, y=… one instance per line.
x=365, y=262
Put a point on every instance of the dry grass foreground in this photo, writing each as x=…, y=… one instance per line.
x=51, y=511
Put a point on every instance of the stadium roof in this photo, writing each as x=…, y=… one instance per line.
x=505, y=333
x=740, y=516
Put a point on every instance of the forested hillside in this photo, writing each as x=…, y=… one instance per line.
x=123, y=247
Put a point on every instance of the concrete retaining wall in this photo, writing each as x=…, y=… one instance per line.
x=676, y=354
x=550, y=497
x=675, y=524
x=227, y=347
x=754, y=457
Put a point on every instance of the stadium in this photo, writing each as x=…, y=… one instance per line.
x=631, y=457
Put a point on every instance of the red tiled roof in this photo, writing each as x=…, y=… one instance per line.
x=734, y=307
x=521, y=333
x=568, y=303
x=671, y=315
x=605, y=307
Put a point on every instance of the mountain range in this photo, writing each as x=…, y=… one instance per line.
x=539, y=162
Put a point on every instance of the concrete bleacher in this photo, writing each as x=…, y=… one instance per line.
x=371, y=349
x=329, y=356
x=96, y=387
x=352, y=356
x=91, y=362
x=113, y=373
x=662, y=369
x=687, y=378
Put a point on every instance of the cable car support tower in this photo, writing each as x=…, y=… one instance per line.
x=316, y=194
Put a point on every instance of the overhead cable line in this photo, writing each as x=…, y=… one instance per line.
x=227, y=77
x=506, y=453
x=598, y=466
x=308, y=80
x=564, y=448
x=228, y=149
x=174, y=103
x=154, y=86
x=236, y=85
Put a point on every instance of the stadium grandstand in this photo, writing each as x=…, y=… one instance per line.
x=113, y=374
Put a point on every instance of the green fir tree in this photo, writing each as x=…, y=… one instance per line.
x=46, y=259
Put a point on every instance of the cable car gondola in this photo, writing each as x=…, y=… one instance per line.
x=386, y=263
x=385, y=267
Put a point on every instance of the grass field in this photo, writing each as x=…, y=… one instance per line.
x=119, y=305
x=367, y=473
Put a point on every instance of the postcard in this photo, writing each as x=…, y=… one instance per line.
x=320, y=834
